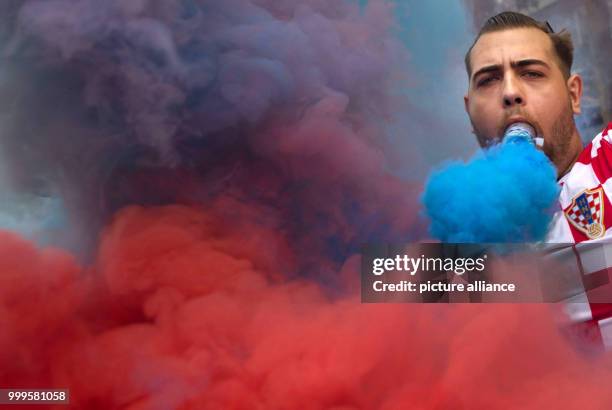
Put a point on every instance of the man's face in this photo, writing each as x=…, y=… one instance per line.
x=516, y=77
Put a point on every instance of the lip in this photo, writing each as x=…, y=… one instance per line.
x=514, y=120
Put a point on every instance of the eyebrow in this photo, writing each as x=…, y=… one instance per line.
x=513, y=64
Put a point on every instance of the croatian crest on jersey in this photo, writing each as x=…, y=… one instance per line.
x=586, y=212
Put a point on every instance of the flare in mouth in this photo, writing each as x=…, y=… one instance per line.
x=525, y=127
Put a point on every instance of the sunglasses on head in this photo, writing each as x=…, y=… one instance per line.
x=549, y=28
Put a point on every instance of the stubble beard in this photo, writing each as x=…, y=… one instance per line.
x=557, y=145
x=558, y=149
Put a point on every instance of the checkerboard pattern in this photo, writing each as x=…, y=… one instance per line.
x=577, y=217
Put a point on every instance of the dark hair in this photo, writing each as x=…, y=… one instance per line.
x=562, y=41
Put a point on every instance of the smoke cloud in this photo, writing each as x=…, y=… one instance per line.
x=152, y=103
x=176, y=316
x=219, y=164
x=505, y=193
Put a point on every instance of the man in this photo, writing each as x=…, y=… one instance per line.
x=519, y=70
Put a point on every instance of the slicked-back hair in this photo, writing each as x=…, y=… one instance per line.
x=562, y=41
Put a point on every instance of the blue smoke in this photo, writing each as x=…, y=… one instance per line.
x=504, y=194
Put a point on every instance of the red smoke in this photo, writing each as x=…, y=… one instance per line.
x=243, y=142
x=180, y=313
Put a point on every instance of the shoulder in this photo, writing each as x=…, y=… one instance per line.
x=592, y=169
x=597, y=155
x=600, y=145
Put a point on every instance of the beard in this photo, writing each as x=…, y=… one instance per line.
x=557, y=149
x=557, y=144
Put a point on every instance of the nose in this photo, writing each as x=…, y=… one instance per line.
x=512, y=93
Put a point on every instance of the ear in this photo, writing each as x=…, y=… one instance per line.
x=466, y=101
x=574, y=86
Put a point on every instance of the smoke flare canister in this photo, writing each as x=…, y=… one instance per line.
x=522, y=132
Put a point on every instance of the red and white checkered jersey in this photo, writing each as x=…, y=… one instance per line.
x=591, y=175
x=584, y=220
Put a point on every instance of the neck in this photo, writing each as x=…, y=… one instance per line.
x=577, y=150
